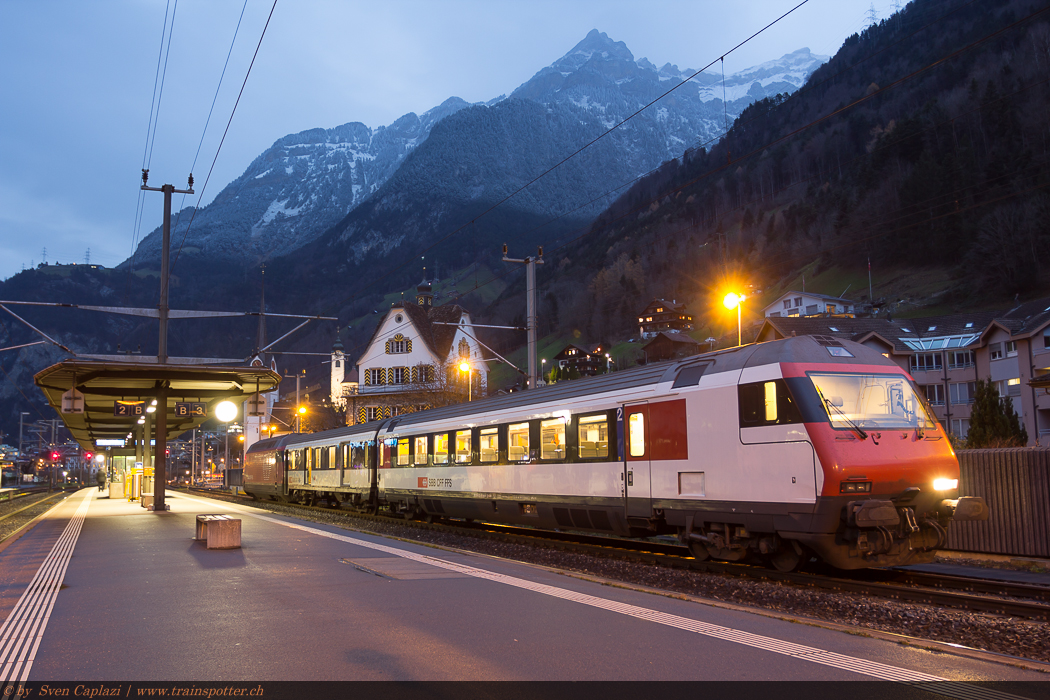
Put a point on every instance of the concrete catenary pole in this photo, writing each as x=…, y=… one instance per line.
x=532, y=322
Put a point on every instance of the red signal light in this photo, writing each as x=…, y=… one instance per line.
x=55, y=456
x=88, y=455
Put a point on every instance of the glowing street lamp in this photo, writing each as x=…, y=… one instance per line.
x=298, y=418
x=733, y=300
x=465, y=367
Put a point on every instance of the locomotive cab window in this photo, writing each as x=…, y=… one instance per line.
x=518, y=442
x=552, y=439
x=767, y=403
x=593, y=435
x=463, y=447
x=403, y=456
x=488, y=445
x=420, y=456
x=441, y=448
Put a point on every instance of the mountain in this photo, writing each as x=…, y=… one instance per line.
x=890, y=157
x=297, y=188
x=306, y=183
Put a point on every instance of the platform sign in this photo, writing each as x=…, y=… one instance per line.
x=129, y=408
x=72, y=401
x=184, y=409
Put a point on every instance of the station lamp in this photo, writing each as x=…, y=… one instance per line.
x=733, y=301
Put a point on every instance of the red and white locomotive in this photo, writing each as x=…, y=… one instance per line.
x=797, y=447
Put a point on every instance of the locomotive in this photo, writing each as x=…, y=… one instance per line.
x=804, y=447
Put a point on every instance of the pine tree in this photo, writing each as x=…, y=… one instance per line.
x=993, y=421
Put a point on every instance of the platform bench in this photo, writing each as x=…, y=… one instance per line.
x=219, y=531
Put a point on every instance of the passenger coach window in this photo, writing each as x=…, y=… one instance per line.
x=636, y=434
x=489, y=447
x=403, y=458
x=552, y=439
x=420, y=456
x=767, y=403
x=518, y=442
x=441, y=448
x=593, y=433
x=358, y=457
x=462, y=446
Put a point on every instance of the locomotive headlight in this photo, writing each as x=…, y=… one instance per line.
x=945, y=484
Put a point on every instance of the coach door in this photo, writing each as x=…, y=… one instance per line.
x=638, y=497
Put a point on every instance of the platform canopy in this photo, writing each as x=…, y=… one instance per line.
x=109, y=388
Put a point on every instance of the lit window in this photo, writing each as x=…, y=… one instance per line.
x=552, y=439
x=462, y=446
x=488, y=447
x=441, y=448
x=402, y=452
x=518, y=442
x=636, y=434
x=420, y=457
x=593, y=435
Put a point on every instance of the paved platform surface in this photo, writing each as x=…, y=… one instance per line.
x=140, y=600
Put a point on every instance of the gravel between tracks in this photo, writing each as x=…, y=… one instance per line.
x=40, y=504
x=1003, y=635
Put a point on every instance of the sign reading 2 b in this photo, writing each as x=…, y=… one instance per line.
x=129, y=408
x=184, y=409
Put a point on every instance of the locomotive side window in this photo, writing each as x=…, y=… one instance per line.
x=636, y=434
x=767, y=403
x=403, y=457
x=593, y=434
x=518, y=442
x=441, y=448
x=552, y=439
x=462, y=447
x=489, y=445
x=420, y=456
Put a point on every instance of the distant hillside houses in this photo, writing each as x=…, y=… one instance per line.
x=412, y=362
x=946, y=355
x=662, y=316
x=802, y=304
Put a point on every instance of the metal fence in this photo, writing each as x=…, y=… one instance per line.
x=1015, y=483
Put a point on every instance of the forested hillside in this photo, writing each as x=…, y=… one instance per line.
x=923, y=143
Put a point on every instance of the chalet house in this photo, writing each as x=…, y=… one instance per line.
x=946, y=355
x=573, y=356
x=411, y=363
x=664, y=316
x=803, y=304
x=670, y=347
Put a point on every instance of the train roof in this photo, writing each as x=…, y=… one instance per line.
x=800, y=349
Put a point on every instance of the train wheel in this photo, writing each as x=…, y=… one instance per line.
x=699, y=551
x=786, y=559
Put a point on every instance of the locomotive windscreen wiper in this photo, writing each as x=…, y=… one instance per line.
x=827, y=402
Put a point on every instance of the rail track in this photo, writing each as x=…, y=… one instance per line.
x=989, y=596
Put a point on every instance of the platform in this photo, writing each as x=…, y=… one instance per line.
x=140, y=600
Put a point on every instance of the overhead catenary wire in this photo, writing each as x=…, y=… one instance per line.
x=224, y=133
x=575, y=153
x=153, y=106
x=214, y=99
x=646, y=203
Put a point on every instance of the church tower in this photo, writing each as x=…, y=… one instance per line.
x=425, y=295
x=338, y=369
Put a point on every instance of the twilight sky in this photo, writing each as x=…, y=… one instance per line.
x=77, y=79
